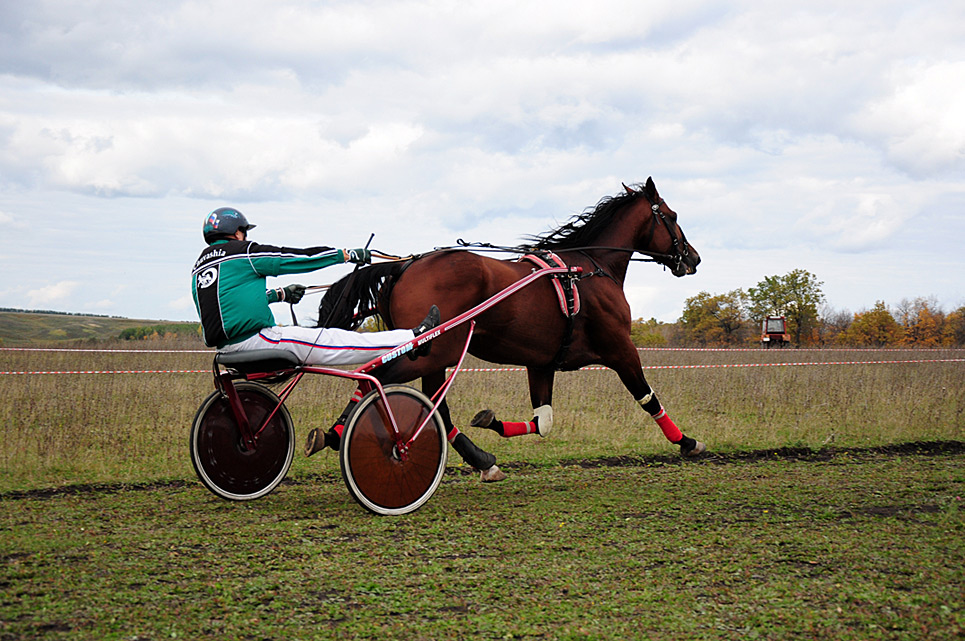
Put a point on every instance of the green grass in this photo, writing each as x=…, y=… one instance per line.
x=864, y=546
x=804, y=522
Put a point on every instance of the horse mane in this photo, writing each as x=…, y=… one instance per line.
x=583, y=229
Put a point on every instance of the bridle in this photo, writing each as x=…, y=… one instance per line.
x=679, y=248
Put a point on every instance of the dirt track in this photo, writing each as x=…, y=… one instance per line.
x=929, y=448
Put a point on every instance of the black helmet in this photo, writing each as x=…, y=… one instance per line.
x=224, y=222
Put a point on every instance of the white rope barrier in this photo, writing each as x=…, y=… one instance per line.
x=639, y=349
x=523, y=369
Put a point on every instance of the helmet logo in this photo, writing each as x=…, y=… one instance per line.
x=222, y=223
x=207, y=278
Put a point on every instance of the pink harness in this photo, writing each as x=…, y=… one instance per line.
x=567, y=292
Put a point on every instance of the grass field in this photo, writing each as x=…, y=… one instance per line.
x=61, y=429
x=37, y=328
x=831, y=507
x=860, y=545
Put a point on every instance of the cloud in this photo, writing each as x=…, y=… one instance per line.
x=52, y=293
x=919, y=123
x=774, y=130
x=10, y=222
x=184, y=303
x=854, y=223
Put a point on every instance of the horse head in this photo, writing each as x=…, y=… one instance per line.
x=638, y=220
x=666, y=240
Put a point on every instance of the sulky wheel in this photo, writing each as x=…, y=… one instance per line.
x=376, y=475
x=223, y=463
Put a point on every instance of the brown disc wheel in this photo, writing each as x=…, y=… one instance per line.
x=380, y=477
x=222, y=461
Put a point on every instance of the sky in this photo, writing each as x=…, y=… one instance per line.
x=823, y=136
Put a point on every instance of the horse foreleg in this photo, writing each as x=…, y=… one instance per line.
x=636, y=383
x=472, y=454
x=541, y=396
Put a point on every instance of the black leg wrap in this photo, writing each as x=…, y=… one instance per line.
x=487, y=420
x=496, y=426
x=652, y=406
x=472, y=454
x=332, y=439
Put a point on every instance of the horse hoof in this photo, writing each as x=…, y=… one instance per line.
x=695, y=451
x=319, y=440
x=483, y=418
x=315, y=442
x=492, y=475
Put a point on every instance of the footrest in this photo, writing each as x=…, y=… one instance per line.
x=258, y=360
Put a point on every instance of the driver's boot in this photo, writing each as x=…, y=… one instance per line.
x=430, y=322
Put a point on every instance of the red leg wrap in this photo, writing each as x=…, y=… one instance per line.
x=518, y=429
x=453, y=433
x=669, y=428
x=339, y=426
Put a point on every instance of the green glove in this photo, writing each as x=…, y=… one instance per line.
x=293, y=293
x=359, y=256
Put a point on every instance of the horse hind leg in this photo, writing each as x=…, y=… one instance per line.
x=474, y=456
x=319, y=440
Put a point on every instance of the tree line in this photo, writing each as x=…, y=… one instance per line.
x=160, y=331
x=733, y=319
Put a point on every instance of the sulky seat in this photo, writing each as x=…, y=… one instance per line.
x=258, y=360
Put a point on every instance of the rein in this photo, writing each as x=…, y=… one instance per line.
x=671, y=260
x=462, y=245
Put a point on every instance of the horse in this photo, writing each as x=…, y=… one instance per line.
x=531, y=328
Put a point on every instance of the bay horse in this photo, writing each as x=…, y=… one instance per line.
x=530, y=328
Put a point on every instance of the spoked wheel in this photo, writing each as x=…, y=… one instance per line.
x=223, y=462
x=377, y=475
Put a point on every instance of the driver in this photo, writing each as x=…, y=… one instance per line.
x=229, y=288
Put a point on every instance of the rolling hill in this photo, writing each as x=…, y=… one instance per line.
x=20, y=328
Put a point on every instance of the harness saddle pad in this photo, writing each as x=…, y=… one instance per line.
x=566, y=290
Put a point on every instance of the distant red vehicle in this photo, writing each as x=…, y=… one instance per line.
x=774, y=332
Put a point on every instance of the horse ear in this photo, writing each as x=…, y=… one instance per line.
x=629, y=191
x=650, y=189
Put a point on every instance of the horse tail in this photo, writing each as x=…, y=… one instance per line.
x=352, y=299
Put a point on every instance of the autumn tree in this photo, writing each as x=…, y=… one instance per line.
x=831, y=323
x=924, y=323
x=955, y=326
x=796, y=296
x=873, y=328
x=714, y=320
x=647, y=333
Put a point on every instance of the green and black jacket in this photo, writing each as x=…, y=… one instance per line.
x=228, y=284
